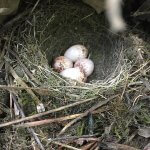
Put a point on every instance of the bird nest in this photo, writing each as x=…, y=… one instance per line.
x=47, y=31
x=39, y=41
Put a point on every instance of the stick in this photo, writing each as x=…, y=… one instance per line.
x=84, y=137
x=141, y=13
x=2, y=58
x=17, y=78
x=47, y=121
x=35, y=6
x=86, y=113
x=30, y=130
x=65, y=145
x=45, y=113
x=143, y=65
x=24, y=67
x=39, y=89
x=116, y=146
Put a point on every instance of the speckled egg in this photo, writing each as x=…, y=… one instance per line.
x=76, y=52
x=86, y=65
x=74, y=73
x=61, y=63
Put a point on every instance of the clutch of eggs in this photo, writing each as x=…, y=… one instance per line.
x=86, y=66
x=76, y=52
x=61, y=63
x=83, y=67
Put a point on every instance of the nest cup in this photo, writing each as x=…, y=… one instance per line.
x=105, y=50
x=63, y=26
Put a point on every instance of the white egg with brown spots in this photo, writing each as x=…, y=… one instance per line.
x=76, y=52
x=61, y=63
x=74, y=74
x=86, y=65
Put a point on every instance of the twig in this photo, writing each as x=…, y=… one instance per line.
x=35, y=6
x=65, y=145
x=116, y=146
x=45, y=113
x=31, y=131
x=16, y=111
x=137, y=98
x=139, y=69
x=24, y=67
x=17, y=78
x=141, y=13
x=11, y=105
x=89, y=146
x=39, y=89
x=47, y=121
x=86, y=113
x=84, y=137
x=135, y=83
x=124, y=89
x=2, y=58
x=97, y=148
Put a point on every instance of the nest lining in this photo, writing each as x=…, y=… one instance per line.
x=44, y=39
